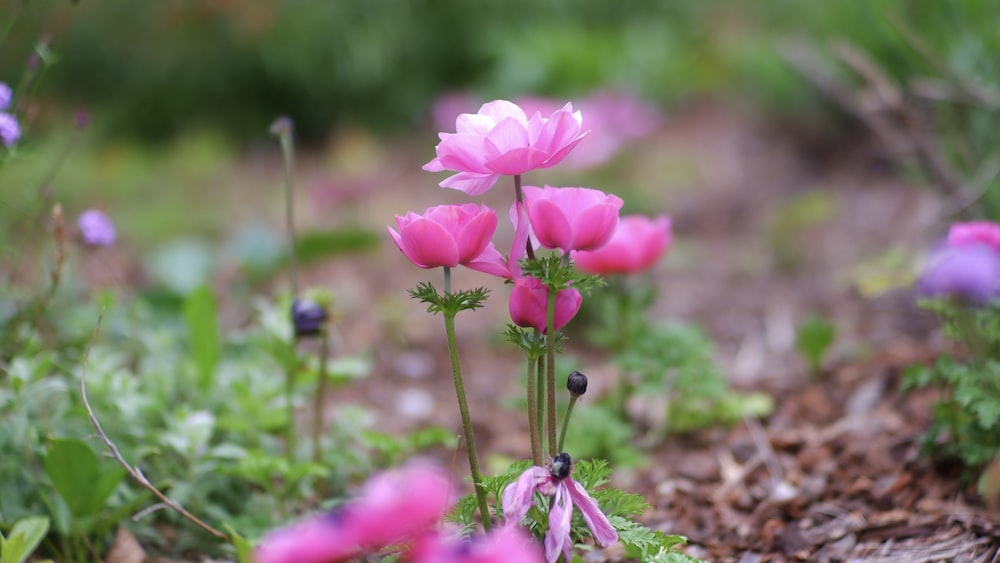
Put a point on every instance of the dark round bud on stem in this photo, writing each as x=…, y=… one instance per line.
x=308, y=317
x=576, y=383
x=562, y=464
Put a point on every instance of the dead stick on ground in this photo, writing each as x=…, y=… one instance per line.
x=133, y=471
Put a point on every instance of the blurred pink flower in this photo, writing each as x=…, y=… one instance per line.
x=613, y=118
x=394, y=507
x=528, y=304
x=975, y=232
x=448, y=106
x=503, y=545
x=636, y=244
x=10, y=130
x=518, y=498
x=447, y=235
x=571, y=218
x=501, y=139
x=96, y=228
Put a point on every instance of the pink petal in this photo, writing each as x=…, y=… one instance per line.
x=470, y=183
x=593, y=227
x=522, y=237
x=598, y=523
x=427, y=244
x=320, y=539
x=518, y=497
x=508, y=134
x=434, y=165
x=568, y=303
x=557, y=539
x=517, y=161
x=491, y=262
x=549, y=223
x=463, y=153
x=475, y=235
x=474, y=123
x=499, y=110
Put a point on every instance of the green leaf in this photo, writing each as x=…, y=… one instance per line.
x=814, y=337
x=203, y=332
x=77, y=476
x=25, y=536
x=244, y=548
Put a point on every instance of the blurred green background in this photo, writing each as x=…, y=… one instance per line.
x=152, y=68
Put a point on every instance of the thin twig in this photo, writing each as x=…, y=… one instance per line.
x=133, y=471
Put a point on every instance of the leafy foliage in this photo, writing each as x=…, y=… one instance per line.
x=967, y=414
x=813, y=339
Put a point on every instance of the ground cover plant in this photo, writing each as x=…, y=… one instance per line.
x=746, y=311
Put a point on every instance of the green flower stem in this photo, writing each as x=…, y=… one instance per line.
x=565, y=422
x=550, y=371
x=463, y=408
x=324, y=353
x=519, y=196
x=290, y=400
x=539, y=376
x=288, y=155
x=533, y=420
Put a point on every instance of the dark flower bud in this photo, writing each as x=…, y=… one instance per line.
x=308, y=317
x=576, y=383
x=562, y=464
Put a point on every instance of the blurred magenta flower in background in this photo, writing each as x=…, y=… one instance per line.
x=528, y=304
x=975, y=232
x=394, y=507
x=501, y=139
x=571, y=218
x=556, y=482
x=502, y=545
x=968, y=273
x=636, y=244
x=446, y=235
x=96, y=228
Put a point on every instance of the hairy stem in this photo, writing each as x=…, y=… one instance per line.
x=550, y=371
x=463, y=408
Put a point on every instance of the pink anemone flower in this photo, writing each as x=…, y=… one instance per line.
x=447, y=236
x=502, y=139
x=572, y=218
x=394, y=508
x=556, y=482
x=635, y=246
x=975, y=232
x=529, y=302
x=502, y=545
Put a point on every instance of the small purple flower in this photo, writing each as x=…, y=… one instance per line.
x=308, y=317
x=556, y=482
x=6, y=94
x=10, y=131
x=96, y=228
x=968, y=273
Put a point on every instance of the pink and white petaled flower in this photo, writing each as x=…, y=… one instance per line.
x=635, y=246
x=556, y=482
x=973, y=233
x=446, y=236
x=394, y=508
x=502, y=140
x=572, y=218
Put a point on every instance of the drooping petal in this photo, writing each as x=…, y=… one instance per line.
x=518, y=497
x=557, y=539
x=491, y=262
x=604, y=533
x=470, y=182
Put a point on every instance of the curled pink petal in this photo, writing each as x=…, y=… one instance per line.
x=518, y=497
x=604, y=533
x=557, y=539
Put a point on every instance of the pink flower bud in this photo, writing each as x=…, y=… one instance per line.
x=529, y=304
x=635, y=246
x=571, y=218
x=445, y=235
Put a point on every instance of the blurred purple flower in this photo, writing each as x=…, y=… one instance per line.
x=968, y=273
x=973, y=233
x=6, y=94
x=10, y=131
x=96, y=228
x=81, y=119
